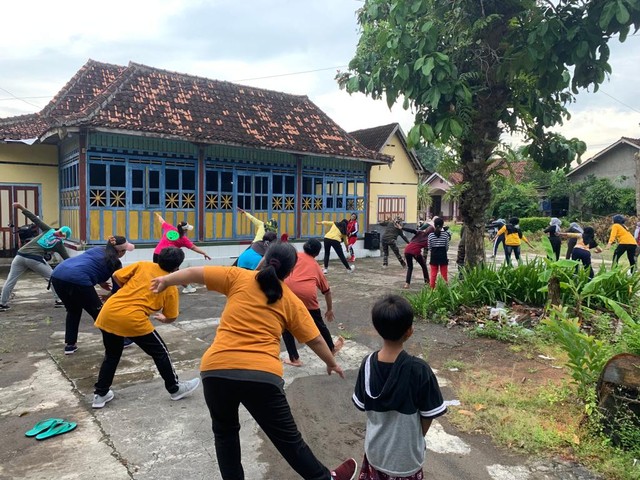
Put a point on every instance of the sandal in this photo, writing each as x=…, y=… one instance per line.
x=43, y=426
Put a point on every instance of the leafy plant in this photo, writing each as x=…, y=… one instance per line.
x=586, y=354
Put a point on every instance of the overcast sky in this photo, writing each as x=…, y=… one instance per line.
x=43, y=44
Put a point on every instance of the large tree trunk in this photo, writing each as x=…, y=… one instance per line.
x=473, y=203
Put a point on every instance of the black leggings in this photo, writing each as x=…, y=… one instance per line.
x=151, y=344
x=421, y=261
x=76, y=298
x=556, y=243
x=268, y=405
x=630, y=249
x=337, y=246
x=290, y=342
x=584, y=256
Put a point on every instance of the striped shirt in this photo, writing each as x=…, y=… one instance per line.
x=438, y=247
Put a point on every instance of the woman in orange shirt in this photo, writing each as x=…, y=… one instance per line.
x=242, y=365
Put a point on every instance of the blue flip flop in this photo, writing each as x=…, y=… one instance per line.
x=43, y=426
x=58, y=429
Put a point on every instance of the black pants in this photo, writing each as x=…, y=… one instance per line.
x=630, y=250
x=290, y=341
x=337, y=246
x=152, y=344
x=556, y=243
x=268, y=405
x=570, y=244
x=76, y=298
x=394, y=248
x=496, y=243
x=515, y=249
x=584, y=256
x=421, y=261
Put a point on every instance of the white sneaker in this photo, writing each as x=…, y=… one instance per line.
x=325, y=270
x=100, y=401
x=189, y=289
x=353, y=267
x=185, y=388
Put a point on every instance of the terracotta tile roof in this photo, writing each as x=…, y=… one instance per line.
x=23, y=127
x=148, y=100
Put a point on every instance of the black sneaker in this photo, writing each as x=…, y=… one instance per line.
x=70, y=349
x=59, y=304
x=4, y=308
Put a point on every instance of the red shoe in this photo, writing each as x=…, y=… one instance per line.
x=352, y=258
x=346, y=470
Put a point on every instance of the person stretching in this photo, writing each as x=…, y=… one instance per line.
x=305, y=281
x=243, y=366
x=438, y=245
x=336, y=235
x=626, y=243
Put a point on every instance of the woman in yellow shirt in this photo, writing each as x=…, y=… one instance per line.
x=625, y=240
x=336, y=235
x=243, y=366
x=513, y=237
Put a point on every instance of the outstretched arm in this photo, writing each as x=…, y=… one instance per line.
x=201, y=252
x=159, y=217
x=27, y=213
x=181, y=277
x=320, y=348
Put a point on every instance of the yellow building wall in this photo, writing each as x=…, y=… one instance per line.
x=34, y=165
x=398, y=180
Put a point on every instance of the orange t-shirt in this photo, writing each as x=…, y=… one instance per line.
x=248, y=337
x=126, y=313
x=305, y=280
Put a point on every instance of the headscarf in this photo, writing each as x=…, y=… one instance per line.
x=575, y=226
x=555, y=222
x=619, y=219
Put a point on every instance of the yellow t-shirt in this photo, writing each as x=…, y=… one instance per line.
x=511, y=239
x=621, y=235
x=126, y=313
x=248, y=337
x=334, y=232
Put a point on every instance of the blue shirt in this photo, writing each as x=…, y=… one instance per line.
x=87, y=269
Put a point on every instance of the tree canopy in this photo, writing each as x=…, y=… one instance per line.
x=472, y=70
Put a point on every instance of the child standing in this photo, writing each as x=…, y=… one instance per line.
x=400, y=395
x=352, y=235
x=439, y=244
x=126, y=314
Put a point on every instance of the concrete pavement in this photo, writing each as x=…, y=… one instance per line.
x=142, y=434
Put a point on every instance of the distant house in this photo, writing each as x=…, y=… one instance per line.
x=440, y=186
x=616, y=162
x=393, y=188
x=119, y=143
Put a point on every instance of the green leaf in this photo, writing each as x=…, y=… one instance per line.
x=427, y=132
x=418, y=65
x=353, y=84
x=414, y=135
x=456, y=128
x=403, y=72
x=583, y=48
x=427, y=68
x=622, y=15
x=608, y=12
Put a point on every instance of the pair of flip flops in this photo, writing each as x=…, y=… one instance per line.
x=50, y=427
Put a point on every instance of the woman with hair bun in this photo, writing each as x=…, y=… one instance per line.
x=243, y=366
x=74, y=281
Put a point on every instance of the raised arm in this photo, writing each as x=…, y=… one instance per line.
x=27, y=213
x=159, y=218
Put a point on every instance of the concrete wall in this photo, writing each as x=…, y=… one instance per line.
x=398, y=180
x=614, y=165
x=33, y=165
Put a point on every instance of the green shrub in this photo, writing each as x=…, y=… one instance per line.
x=536, y=224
